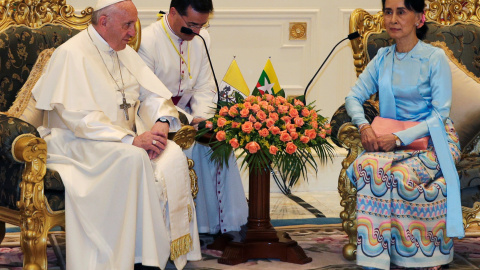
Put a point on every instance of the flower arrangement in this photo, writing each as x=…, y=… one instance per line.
x=270, y=130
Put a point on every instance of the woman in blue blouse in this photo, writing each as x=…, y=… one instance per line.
x=403, y=215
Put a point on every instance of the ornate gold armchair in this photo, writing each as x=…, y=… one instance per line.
x=453, y=25
x=32, y=196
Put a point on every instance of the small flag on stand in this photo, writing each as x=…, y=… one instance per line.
x=268, y=82
x=233, y=82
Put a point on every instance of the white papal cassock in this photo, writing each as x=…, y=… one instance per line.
x=221, y=203
x=120, y=207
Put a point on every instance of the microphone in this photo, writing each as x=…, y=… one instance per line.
x=189, y=31
x=351, y=36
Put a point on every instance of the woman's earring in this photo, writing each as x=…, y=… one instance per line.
x=416, y=24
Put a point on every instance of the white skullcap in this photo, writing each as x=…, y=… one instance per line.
x=105, y=3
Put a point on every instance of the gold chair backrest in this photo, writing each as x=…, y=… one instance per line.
x=35, y=14
x=443, y=12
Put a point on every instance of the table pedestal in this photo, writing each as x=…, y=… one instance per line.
x=262, y=241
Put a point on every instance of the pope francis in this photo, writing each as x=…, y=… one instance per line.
x=127, y=196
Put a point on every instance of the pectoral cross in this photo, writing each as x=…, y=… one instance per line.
x=125, y=106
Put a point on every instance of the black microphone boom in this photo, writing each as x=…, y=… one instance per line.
x=189, y=31
x=351, y=36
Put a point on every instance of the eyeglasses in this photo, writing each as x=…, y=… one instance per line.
x=195, y=25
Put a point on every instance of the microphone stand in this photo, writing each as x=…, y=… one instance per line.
x=189, y=31
x=351, y=36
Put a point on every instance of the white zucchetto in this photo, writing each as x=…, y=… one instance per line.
x=105, y=3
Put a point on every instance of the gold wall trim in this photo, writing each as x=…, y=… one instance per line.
x=298, y=31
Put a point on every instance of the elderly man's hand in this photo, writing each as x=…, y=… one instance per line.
x=153, y=141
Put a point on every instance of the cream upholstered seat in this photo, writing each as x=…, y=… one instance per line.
x=455, y=27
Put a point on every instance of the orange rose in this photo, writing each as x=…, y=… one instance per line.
x=269, y=97
x=252, y=147
x=264, y=132
x=235, y=124
x=270, y=108
x=298, y=121
x=247, y=127
x=291, y=148
x=274, y=130
x=274, y=116
x=293, y=113
x=329, y=131
x=262, y=116
x=233, y=111
x=305, y=112
x=297, y=102
x=314, y=114
x=264, y=104
x=314, y=124
x=304, y=139
x=252, y=118
x=255, y=108
x=294, y=135
x=270, y=122
x=323, y=133
x=290, y=127
x=223, y=111
x=257, y=125
x=221, y=122
x=234, y=143
x=310, y=133
x=273, y=150
x=247, y=105
x=282, y=109
x=285, y=137
x=209, y=124
x=251, y=99
x=281, y=99
x=244, y=112
x=286, y=119
x=221, y=135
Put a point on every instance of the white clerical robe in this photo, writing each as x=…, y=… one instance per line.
x=221, y=203
x=120, y=207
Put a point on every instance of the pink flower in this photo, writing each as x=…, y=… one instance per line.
x=221, y=135
x=282, y=108
x=327, y=126
x=235, y=124
x=221, y=122
x=269, y=97
x=247, y=127
x=273, y=150
x=264, y=104
x=264, y=132
x=298, y=102
x=234, y=143
x=294, y=135
x=305, y=112
x=274, y=116
x=252, y=147
x=281, y=99
x=285, y=137
x=270, y=122
x=304, y=139
x=329, y=131
x=255, y=108
x=311, y=134
x=291, y=148
x=244, y=112
x=257, y=125
x=270, y=108
x=252, y=118
x=233, y=111
x=293, y=113
x=223, y=111
x=298, y=121
x=209, y=124
x=274, y=130
x=262, y=116
x=247, y=105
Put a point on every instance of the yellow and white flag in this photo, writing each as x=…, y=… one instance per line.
x=232, y=82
